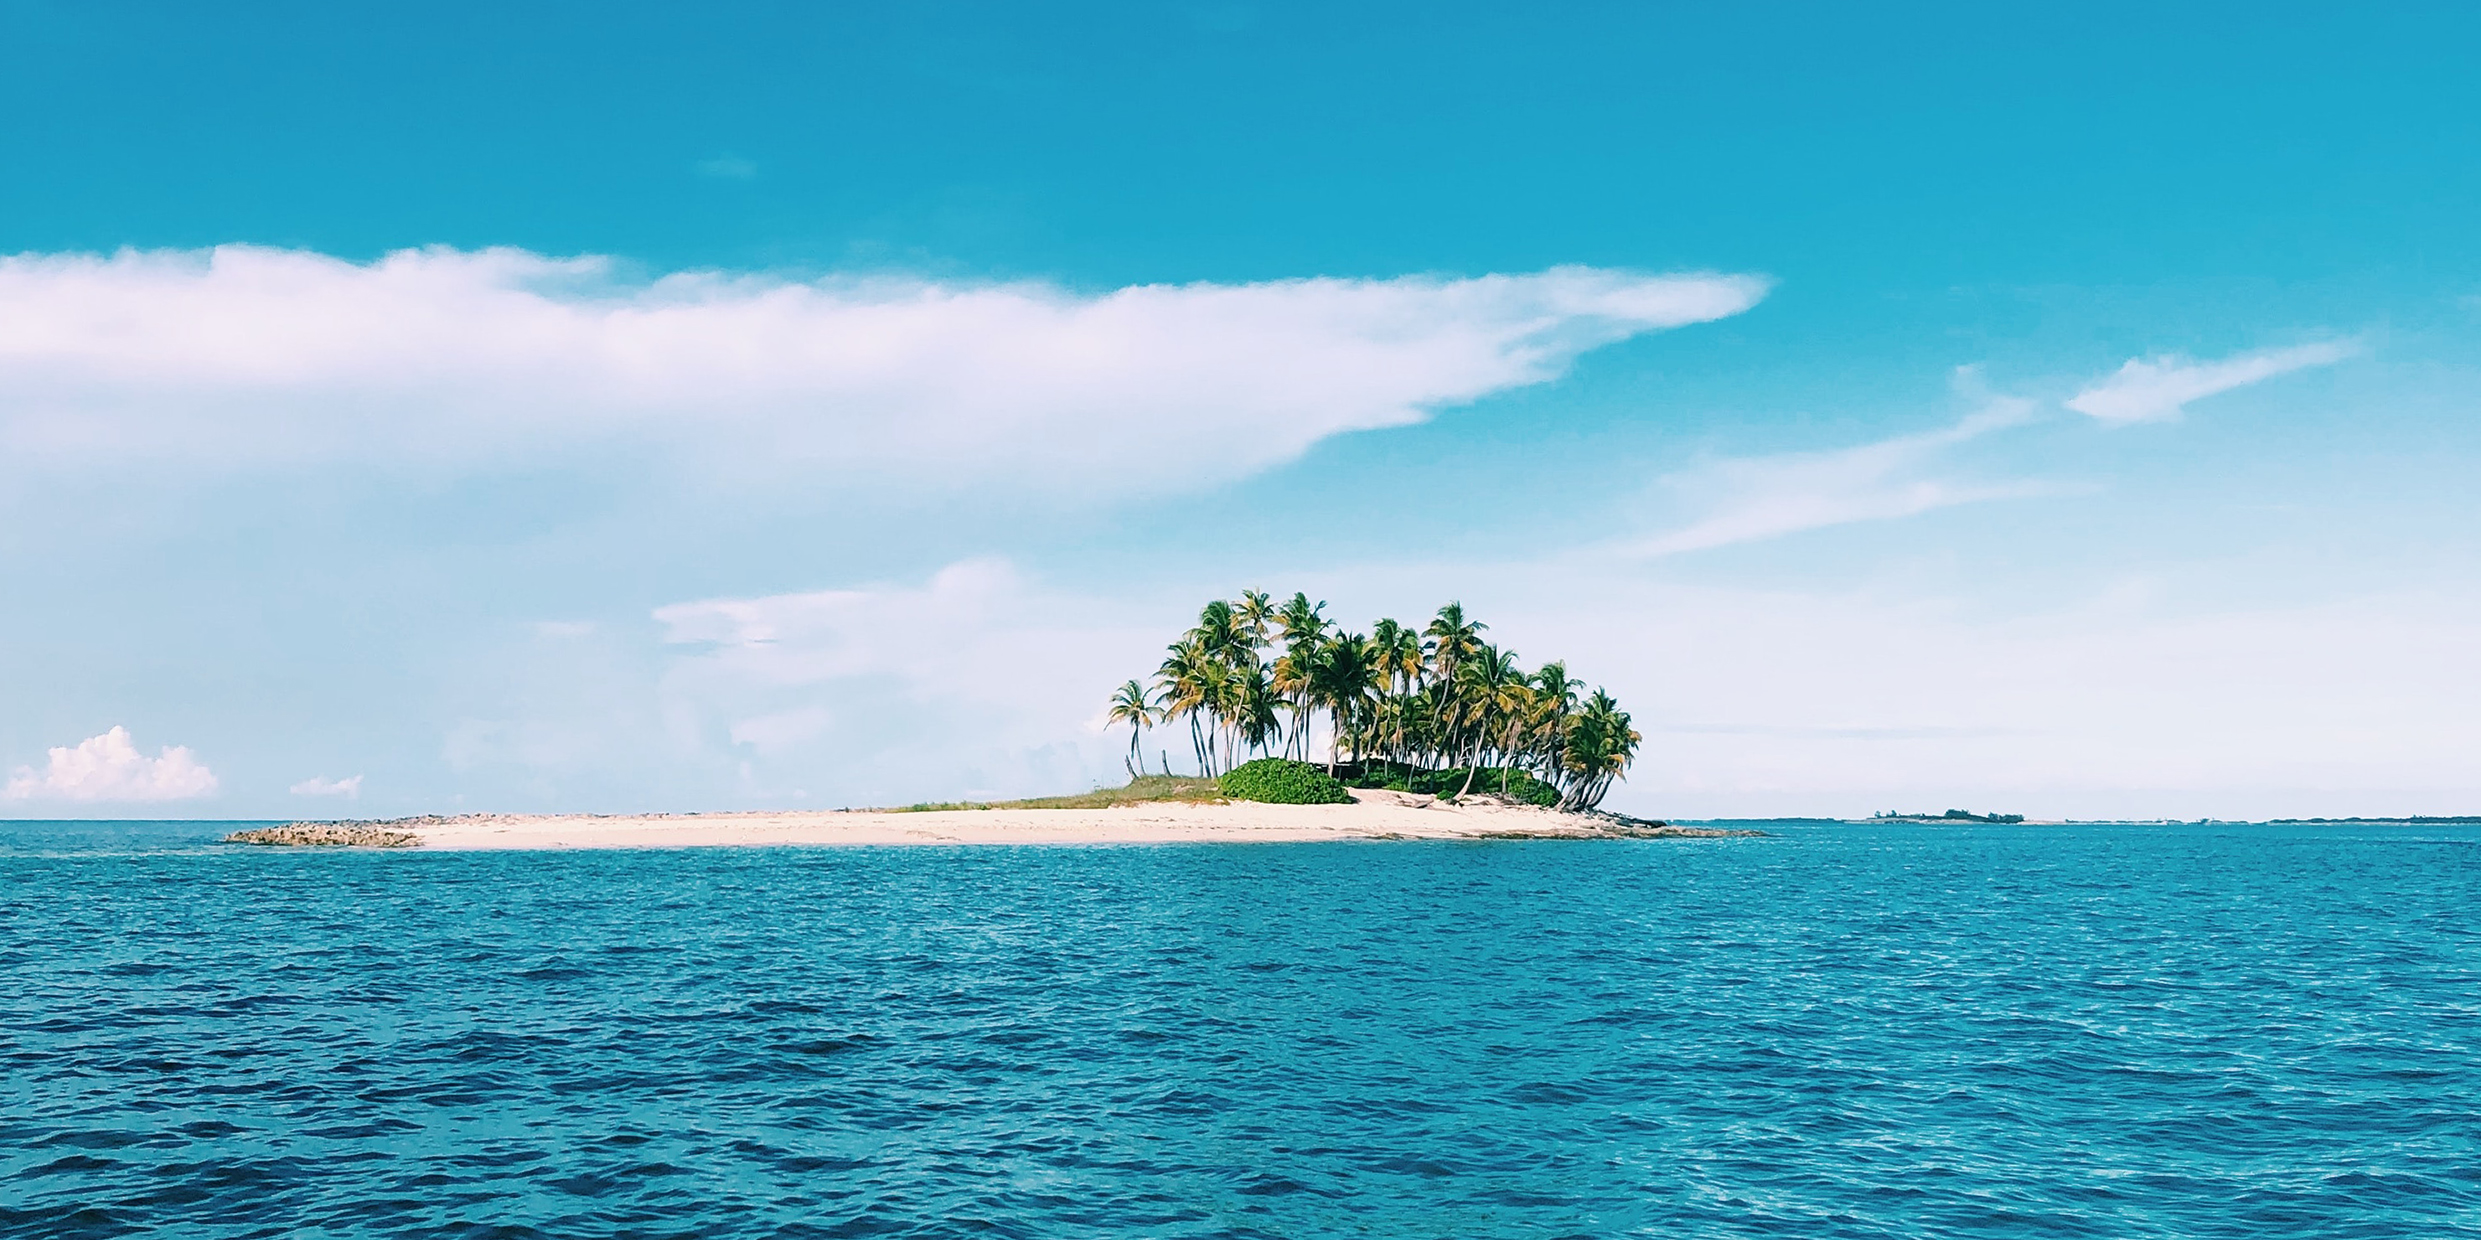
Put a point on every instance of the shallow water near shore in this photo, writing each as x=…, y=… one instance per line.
x=1837, y=1030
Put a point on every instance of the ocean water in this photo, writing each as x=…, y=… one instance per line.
x=1835, y=1031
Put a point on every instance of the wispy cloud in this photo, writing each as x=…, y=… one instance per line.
x=977, y=678
x=110, y=768
x=2152, y=389
x=1755, y=498
x=727, y=168
x=244, y=357
x=349, y=788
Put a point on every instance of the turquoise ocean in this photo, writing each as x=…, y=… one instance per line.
x=1838, y=1030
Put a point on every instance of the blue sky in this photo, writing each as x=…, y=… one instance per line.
x=782, y=405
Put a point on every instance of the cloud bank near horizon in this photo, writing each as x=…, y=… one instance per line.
x=982, y=680
x=110, y=768
x=244, y=357
x=1001, y=669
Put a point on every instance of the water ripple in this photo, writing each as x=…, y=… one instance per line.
x=1834, y=1032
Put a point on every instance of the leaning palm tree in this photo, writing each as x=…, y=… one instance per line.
x=1187, y=678
x=1490, y=688
x=1518, y=707
x=1133, y=706
x=1599, y=751
x=1554, y=712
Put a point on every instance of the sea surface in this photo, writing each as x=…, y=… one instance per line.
x=1835, y=1031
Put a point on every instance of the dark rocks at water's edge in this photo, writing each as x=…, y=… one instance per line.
x=327, y=835
x=1652, y=829
x=1602, y=824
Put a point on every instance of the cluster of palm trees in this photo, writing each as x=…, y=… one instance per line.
x=1437, y=698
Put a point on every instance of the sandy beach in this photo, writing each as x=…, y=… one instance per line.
x=1374, y=815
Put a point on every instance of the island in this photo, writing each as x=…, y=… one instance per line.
x=1428, y=734
x=1953, y=815
x=1370, y=814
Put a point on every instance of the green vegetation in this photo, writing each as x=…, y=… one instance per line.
x=1282, y=781
x=1515, y=783
x=1416, y=709
x=1138, y=791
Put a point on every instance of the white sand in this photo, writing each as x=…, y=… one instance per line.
x=1374, y=815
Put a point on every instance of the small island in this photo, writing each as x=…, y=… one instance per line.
x=1432, y=734
x=1953, y=815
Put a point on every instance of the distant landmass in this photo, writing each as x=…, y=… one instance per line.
x=2454, y=820
x=1953, y=815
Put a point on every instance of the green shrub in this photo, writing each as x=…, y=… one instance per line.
x=1521, y=785
x=1512, y=782
x=1282, y=781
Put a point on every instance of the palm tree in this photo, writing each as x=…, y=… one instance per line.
x=1553, y=714
x=1254, y=613
x=1451, y=639
x=1220, y=693
x=1221, y=630
x=1188, y=679
x=1599, y=751
x=1289, y=680
x=1343, y=681
x=1303, y=627
x=1395, y=651
x=1254, y=714
x=1132, y=706
x=1492, y=688
x=1441, y=698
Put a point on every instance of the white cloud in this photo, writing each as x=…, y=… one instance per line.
x=1757, y=498
x=783, y=729
x=349, y=788
x=2152, y=389
x=2108, y=699
x=2090, y=698
x=110, y=768
x=2049, y=694
x=250, y=357
x=976, y=682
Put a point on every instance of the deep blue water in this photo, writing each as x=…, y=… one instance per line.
x=1836, y=1031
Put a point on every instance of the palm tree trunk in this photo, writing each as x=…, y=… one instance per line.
x=1472, y=767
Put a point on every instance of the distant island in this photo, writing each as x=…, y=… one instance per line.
x=1430, y=734
x=2418, y=820
x=1434, y=710
x=1953, y=815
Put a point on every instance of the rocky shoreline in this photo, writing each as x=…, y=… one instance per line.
x=1644, y=829
x=328, y=835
